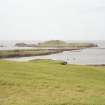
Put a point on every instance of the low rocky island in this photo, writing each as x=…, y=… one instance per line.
x=25, y=45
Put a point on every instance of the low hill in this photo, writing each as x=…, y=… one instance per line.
x=60, y=43
x=53, y=43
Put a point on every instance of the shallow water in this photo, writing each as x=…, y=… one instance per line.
x=84, y=56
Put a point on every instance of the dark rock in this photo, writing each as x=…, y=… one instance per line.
x=64, y=63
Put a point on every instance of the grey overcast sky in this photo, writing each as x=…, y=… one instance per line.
x=52, y=19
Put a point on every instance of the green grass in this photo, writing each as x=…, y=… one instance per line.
x=50, y=83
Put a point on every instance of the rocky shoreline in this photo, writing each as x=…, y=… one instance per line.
x=98, y=65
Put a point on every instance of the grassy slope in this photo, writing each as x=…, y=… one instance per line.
x=49, y=83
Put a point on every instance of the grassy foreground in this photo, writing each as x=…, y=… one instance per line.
x=50, y=83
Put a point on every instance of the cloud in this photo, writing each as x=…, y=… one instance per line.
x=52, y=19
